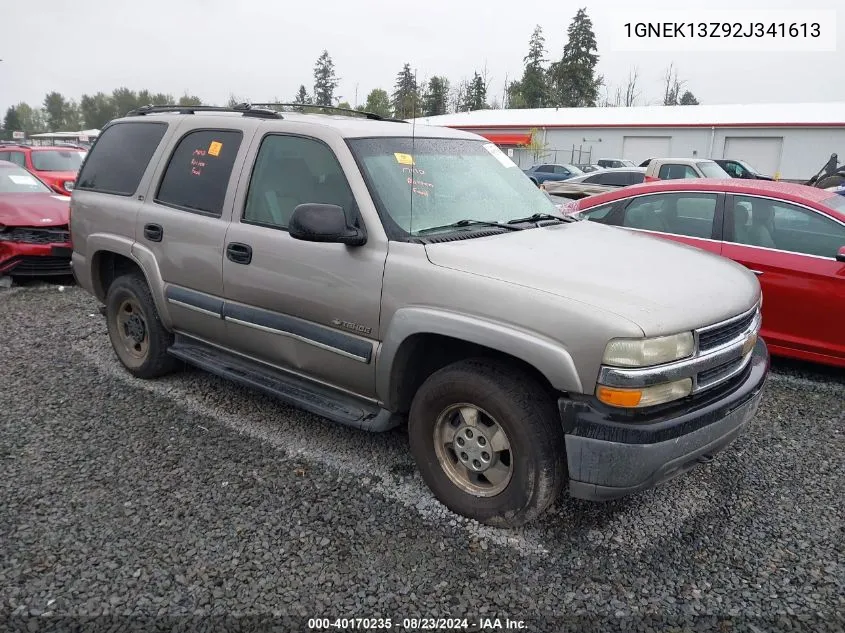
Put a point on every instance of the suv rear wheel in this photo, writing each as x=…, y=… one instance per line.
x=137, y=335
x=488, y=442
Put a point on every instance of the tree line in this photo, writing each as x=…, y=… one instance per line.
x=570, y=81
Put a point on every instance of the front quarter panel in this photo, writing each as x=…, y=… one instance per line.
x=563, y=339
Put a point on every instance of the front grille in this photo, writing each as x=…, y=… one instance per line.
x=711, y=339
x=34, y=235
x=718, y=373
x=35, y=266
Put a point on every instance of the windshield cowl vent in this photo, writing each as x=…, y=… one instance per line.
x=463, y=235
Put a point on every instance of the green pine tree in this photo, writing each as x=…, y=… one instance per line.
x=573, y=78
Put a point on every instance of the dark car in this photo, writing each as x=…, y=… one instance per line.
x=34, y=234
x=594, y=183
x=550, y=171
x=740, y=169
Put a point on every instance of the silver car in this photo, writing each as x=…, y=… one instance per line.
x=378, y=273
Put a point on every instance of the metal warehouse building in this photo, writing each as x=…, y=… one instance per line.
x=790, y=141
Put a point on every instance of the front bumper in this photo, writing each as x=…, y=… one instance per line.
x=610, y=456
x=23, y=259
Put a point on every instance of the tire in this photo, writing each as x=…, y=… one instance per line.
x=835, y=180
x=137, y=336
x=526, y=414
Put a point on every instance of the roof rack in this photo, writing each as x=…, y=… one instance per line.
x=244, y=108
x=300, y=106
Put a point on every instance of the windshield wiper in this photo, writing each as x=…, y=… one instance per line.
x=542, y=216
x=462, y=223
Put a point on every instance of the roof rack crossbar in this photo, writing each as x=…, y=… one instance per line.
x=245, y=109
x=369, y=115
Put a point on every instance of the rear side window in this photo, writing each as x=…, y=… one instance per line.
x=119, y=158
x=676, y=172
x=616, y=179
x=197, y=176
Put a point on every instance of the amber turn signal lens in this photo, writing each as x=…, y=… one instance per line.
x=619, y=397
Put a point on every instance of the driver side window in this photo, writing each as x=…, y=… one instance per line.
x=293, y=170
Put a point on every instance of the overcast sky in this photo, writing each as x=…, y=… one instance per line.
x=262, y=49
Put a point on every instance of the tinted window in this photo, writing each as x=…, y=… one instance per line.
x=598, y=213
x=119, y=158
x=689, y=214
x=197, y=175
x=546, y=169
x=636, y=177
x=775, y=224
x=290, y=171
x=734, y=169
x=675, y=172
x=616, y=179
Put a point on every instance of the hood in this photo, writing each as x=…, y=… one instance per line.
x=34, y=209
x=662, y=286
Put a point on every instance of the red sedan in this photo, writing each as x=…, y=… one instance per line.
x=791, y=236
x=34, y=235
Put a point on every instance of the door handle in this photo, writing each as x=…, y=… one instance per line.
x=239, y=253
x=153, y=232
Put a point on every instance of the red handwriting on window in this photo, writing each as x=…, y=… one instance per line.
x=412, y=181
x=197, y=165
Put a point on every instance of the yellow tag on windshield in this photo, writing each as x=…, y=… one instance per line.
x=214, y=148
x=404, y=159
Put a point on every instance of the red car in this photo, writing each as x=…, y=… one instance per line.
x=34, y=234
x=55, y=166
x=791, y=236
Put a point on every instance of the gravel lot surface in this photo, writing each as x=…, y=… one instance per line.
x=191, y=496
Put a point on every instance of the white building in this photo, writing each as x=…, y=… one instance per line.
x=790, y=141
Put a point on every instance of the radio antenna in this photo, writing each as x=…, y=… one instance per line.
x=413, y=143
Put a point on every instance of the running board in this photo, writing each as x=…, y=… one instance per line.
x=298, y=392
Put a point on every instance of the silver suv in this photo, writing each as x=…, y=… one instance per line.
x=378, y=273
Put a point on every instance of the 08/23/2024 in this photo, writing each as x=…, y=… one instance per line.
x=375, y=624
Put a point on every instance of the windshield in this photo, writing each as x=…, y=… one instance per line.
x=57, y=160
x=835, y=202
x=442, y=181
x=712, y=170
x=748, y=167
x=17, y=180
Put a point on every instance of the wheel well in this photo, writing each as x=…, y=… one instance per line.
x=420, y=355
x=107, y=267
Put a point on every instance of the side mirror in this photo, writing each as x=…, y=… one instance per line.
x=840, y=255
x=324, y=223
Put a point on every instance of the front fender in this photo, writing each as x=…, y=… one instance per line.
x=544, y=354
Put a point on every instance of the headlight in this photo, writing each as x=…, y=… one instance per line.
x=68, y=185
x=645, y=352
x=645, y=396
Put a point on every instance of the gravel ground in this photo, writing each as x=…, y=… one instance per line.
x=189, y=496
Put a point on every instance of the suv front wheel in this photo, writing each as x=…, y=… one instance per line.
x=488, y=442
x=137, y=335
